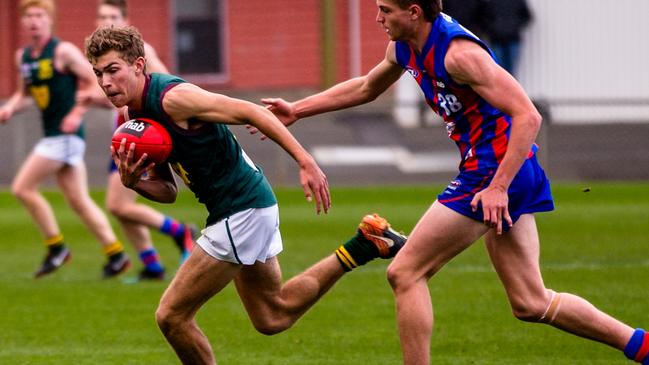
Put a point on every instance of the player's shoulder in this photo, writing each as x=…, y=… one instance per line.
x=63, y=45
x=391, y=52
x=18, y=55
x=180, y=93
x=464, y=50
x=66, y=49
x=148, y=49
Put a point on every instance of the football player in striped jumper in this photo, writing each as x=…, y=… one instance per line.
x=241, y=239
x=499, y=187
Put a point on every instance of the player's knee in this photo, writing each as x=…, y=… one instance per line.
x=166, y=319
x=270, y=326
x=19, y=192
x=399, y=278
x=536, y=309
x=527, y=311
x=116, y=210
x=269, y=329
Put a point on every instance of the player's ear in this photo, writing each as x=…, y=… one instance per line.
x=415, y=11
x=140, y=64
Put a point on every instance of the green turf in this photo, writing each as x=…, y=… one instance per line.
x=595, y=244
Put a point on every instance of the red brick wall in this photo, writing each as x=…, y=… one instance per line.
x=276, y=46
x=373, y=41
x=76, y=20
x=281, y=46
x=8, y=37
x=152, y=18
x=342, y=40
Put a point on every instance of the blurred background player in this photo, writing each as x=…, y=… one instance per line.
x=136, y=218
x=52, y=70
x=466, y=12
x=499, y=187
x=499, y=22
x=242, y=238
x=503, y=22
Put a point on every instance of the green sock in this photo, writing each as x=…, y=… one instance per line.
x=356, y=252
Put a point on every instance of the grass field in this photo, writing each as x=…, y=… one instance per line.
x=595, y=244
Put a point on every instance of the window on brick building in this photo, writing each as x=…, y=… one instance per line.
x=199, y=37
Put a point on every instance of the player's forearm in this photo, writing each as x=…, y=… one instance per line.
x=15, y=103
x=266, y=122
x=94, y=97
x=524, y=131
x=78, y=110
x=341, y=96
x=157, y=190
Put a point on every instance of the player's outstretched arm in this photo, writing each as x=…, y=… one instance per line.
x=75, y=63
x=153, y=61
x=353, y=92
x=159, y=184
x=16, y=101
x=187, y=101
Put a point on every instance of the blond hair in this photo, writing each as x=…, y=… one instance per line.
x=48, y=5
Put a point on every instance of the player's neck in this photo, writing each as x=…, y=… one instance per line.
x=420, y=36
x=38, y=42
x=137, y=103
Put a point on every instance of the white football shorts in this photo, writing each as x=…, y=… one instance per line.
x=66, y=148
x=245, y=237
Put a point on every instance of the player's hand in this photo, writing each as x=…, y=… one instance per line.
x=88, y=97
x=283, y=110
x=130, y=173
x=315, y=185
x=71, y=123
x=5, y=114
x=84, y=97
x=495, y=209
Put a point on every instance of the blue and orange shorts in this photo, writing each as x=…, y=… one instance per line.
x=529, y=192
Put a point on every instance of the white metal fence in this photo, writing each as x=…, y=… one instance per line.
x=586, y=60
x=589, y=59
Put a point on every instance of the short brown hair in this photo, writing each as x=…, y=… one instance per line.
x=48, y=5
x=431, y=8
x=119, y=4
x=127, y=41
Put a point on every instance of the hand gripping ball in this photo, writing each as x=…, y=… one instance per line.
x=149, y=137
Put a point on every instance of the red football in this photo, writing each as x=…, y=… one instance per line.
x=149, y=137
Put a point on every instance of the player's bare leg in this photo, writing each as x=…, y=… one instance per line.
x=438, y=237
x=25, y=185
x=197, y=280
x=137, y=219
x=119, y=202
x=273, y=307
x=515, y=256
x=73, y=182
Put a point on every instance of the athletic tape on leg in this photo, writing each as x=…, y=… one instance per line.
x=553, y=308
